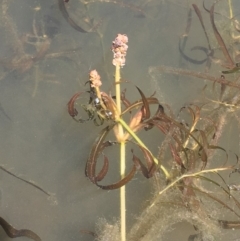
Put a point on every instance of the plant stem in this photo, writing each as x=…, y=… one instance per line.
x=189, y=175
x=138, y=140
x=118, y=90
x=122, y=156
x=122, y=193
x=231, y=18
x=230, y=9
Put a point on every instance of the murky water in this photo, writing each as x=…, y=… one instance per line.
x=43, y=62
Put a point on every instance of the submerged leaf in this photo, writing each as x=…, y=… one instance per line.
x=229, y=224
x=181, y=46
x=139, y=165
x=139, y=103
x=200, y=75
x=103, y=171
x=217, y=200
x=124, y=100
x=28, y=182
x=176, y=156
x=145, y=109
x=151, y=166
x=66, y=16
x=90, y=169
x=198, y=12
x=219, y=38
x=232, y=70
x=120, y=183
x=98, y=121
x=189, y=59
x=71, y=109
x=16, y=233
x=203, y=149
x=217, y=184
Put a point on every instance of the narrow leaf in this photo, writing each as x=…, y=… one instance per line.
x=120, y=183
x=145, y=109
x=103, y=171
x=90, y=169
x=140, y=166
x=219, y=39
x=71, y=109
x=15, y=233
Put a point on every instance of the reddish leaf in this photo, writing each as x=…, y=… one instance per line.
x=120, y=183
x=90, y=169
x=139, y=103
x=71, y=109
x=220, y=40
x=145, y=108
x=103, y=171
x=15, y=233
x=124, y=100
x=140, y=166
x=176, y=156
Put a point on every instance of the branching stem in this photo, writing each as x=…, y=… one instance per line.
x=139, y=141
x=196, y=174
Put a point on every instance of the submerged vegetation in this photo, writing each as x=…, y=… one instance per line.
x=198, y=164
x=193, y=174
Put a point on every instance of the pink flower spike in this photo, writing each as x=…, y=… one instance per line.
x=95, y=79
x=119, y=49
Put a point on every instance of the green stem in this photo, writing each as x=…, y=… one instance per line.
x=122, y=156
x=230, y=9
x=138, y=140
x=118, y=90
x=123, y=192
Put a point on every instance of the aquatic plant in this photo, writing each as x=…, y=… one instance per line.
x=30, y=49
x=191, y=186
x=15, y=233
x=194, y=175
x=11, y=231
x=107, y=109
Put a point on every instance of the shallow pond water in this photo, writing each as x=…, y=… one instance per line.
x=43, y=62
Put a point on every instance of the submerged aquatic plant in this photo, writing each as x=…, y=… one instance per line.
x=194, y=188
x=31, y=49
x=15, y=233
x=102, y=106
x=11, y=231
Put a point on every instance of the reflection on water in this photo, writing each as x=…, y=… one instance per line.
x=44, y=60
